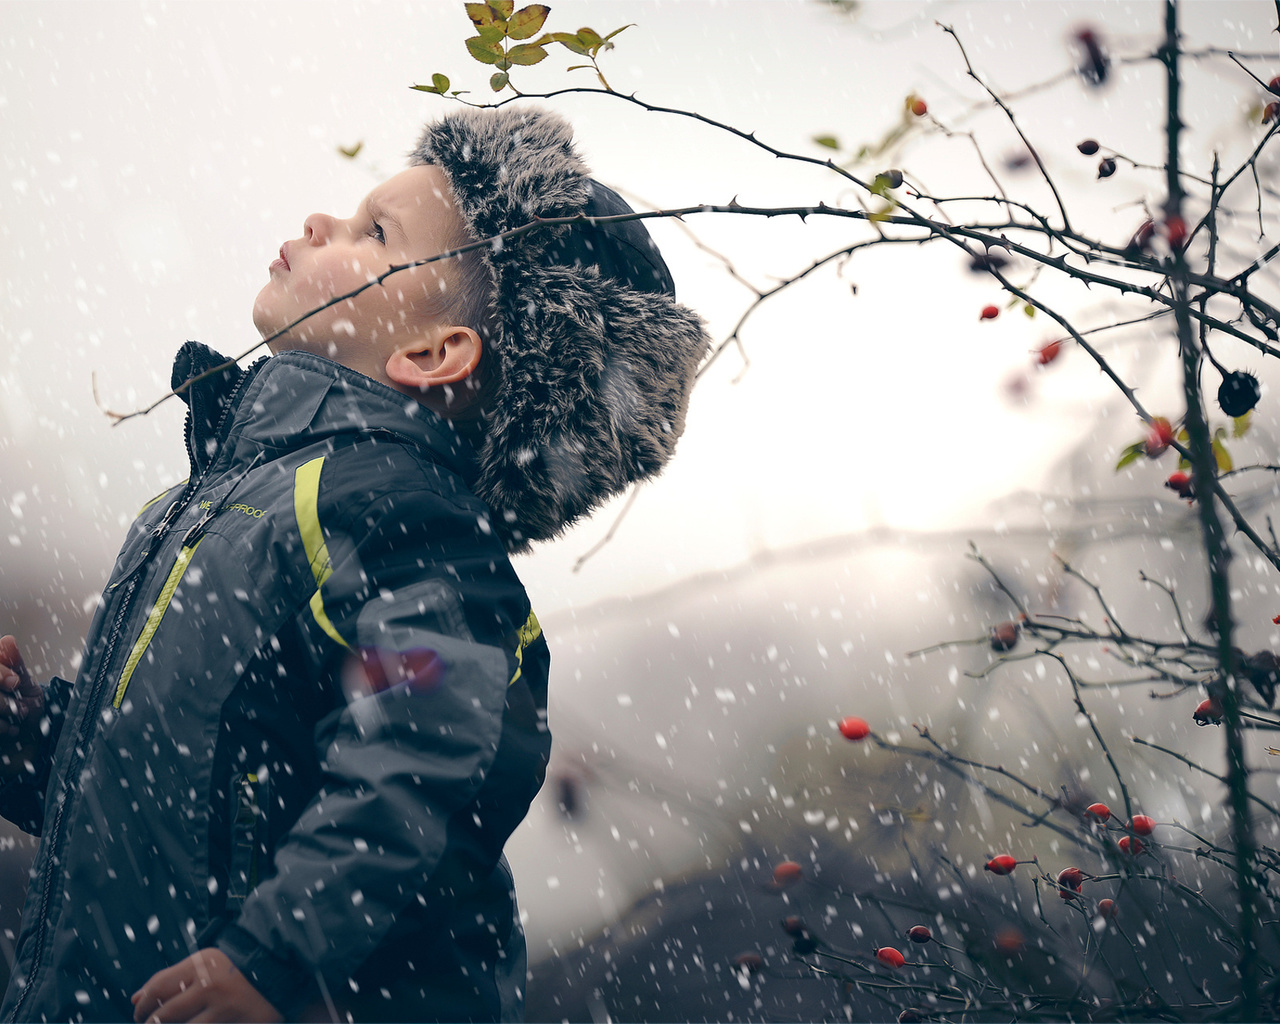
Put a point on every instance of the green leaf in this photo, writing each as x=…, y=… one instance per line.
x=1029, y=309
x=502, y=64
x=884, y=212
x=499, y=81
x=440, y=82
x=525, y=54
x=492, y=33
x=485, y=53
x=1131, y=454
x=480, y=14
x=830, y=141
x=1241, y=424
x=1222, y=455
x=526, y=21
x=570, y=41
x=589, y=38
x=617, y=30
x=351, y=152
x=880, y=186
x=502, y=8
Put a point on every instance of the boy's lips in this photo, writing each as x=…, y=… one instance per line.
x=283, y=261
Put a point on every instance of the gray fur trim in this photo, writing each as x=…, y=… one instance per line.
x=594, y=375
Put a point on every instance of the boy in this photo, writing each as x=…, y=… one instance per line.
x=311, y=707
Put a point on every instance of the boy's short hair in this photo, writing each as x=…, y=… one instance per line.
x=593, y=360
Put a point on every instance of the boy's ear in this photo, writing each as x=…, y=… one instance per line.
x=446, y=355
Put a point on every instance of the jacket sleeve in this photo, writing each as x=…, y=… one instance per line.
x=22, y=798
x=423, y=614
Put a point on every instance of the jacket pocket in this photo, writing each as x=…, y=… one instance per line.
x=249, y=803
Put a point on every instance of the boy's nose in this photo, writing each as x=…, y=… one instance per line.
x=318, y=228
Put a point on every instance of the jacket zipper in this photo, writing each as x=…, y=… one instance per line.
x=52, y=864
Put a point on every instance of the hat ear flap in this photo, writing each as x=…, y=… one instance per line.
x=595, y=388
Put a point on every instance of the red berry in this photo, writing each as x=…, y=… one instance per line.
x=1180, y=484
x=1269, y=112
x=1276, y=621
x=1175, y=230
x=989, y=312
x=1002, y=864
x=1159, y=436
x=1107, y=908
x=1142, y=825
x=854, y=728
x=919, y=933
x=1069, y=880
x=1274, y=84
x=1088, y=147
x=749, y=962
x=1131, y=845
x=1004, y=635
x=1142, y=237
x=1048, y=353
x=890, y=957
x=1208, y=710
x=1009, y=940
x=919, y=107
x=788, y=872
x=793, y=925
x=1100, y=811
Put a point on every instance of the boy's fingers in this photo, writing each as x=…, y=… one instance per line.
x=182, y=1007
x=9, y=654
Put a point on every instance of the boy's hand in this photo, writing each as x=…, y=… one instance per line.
x=21, y=708
x=206, y=986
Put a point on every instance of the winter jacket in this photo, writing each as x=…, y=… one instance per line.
x=310, y=711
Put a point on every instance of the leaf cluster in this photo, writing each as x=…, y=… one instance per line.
x=504, y=39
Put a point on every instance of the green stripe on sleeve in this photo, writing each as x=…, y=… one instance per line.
x=306, y=500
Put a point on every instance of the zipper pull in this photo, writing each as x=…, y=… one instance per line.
x=167, y=519
x=199, y=526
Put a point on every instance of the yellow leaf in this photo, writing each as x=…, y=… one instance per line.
x=526, y=21
x=1222, y=456
x=1241, y=424
x=351, y=152
x=485, y=53
x=502, y=8
x=480, y=14
x=569, y=41
x=525, y=53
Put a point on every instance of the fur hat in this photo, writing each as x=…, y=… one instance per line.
x=594, y=357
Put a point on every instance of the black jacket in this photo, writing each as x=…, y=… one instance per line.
x=310, y=711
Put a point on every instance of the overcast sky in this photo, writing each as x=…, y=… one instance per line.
x=157, y=154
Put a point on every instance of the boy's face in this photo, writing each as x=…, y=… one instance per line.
x=406, y=218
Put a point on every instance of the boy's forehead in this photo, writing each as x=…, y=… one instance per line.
x=418, y=199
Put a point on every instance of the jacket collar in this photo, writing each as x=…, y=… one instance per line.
x=295, y=399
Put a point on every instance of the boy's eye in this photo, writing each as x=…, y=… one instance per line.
x=377, y=234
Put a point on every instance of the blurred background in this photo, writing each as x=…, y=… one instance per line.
x=815, y=525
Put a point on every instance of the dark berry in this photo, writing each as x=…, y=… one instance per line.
x=1238, y=393
x=1004, y=635
x=1106, y=168
x=1088, y=147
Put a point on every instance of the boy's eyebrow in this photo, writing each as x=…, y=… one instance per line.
x=384, y=216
